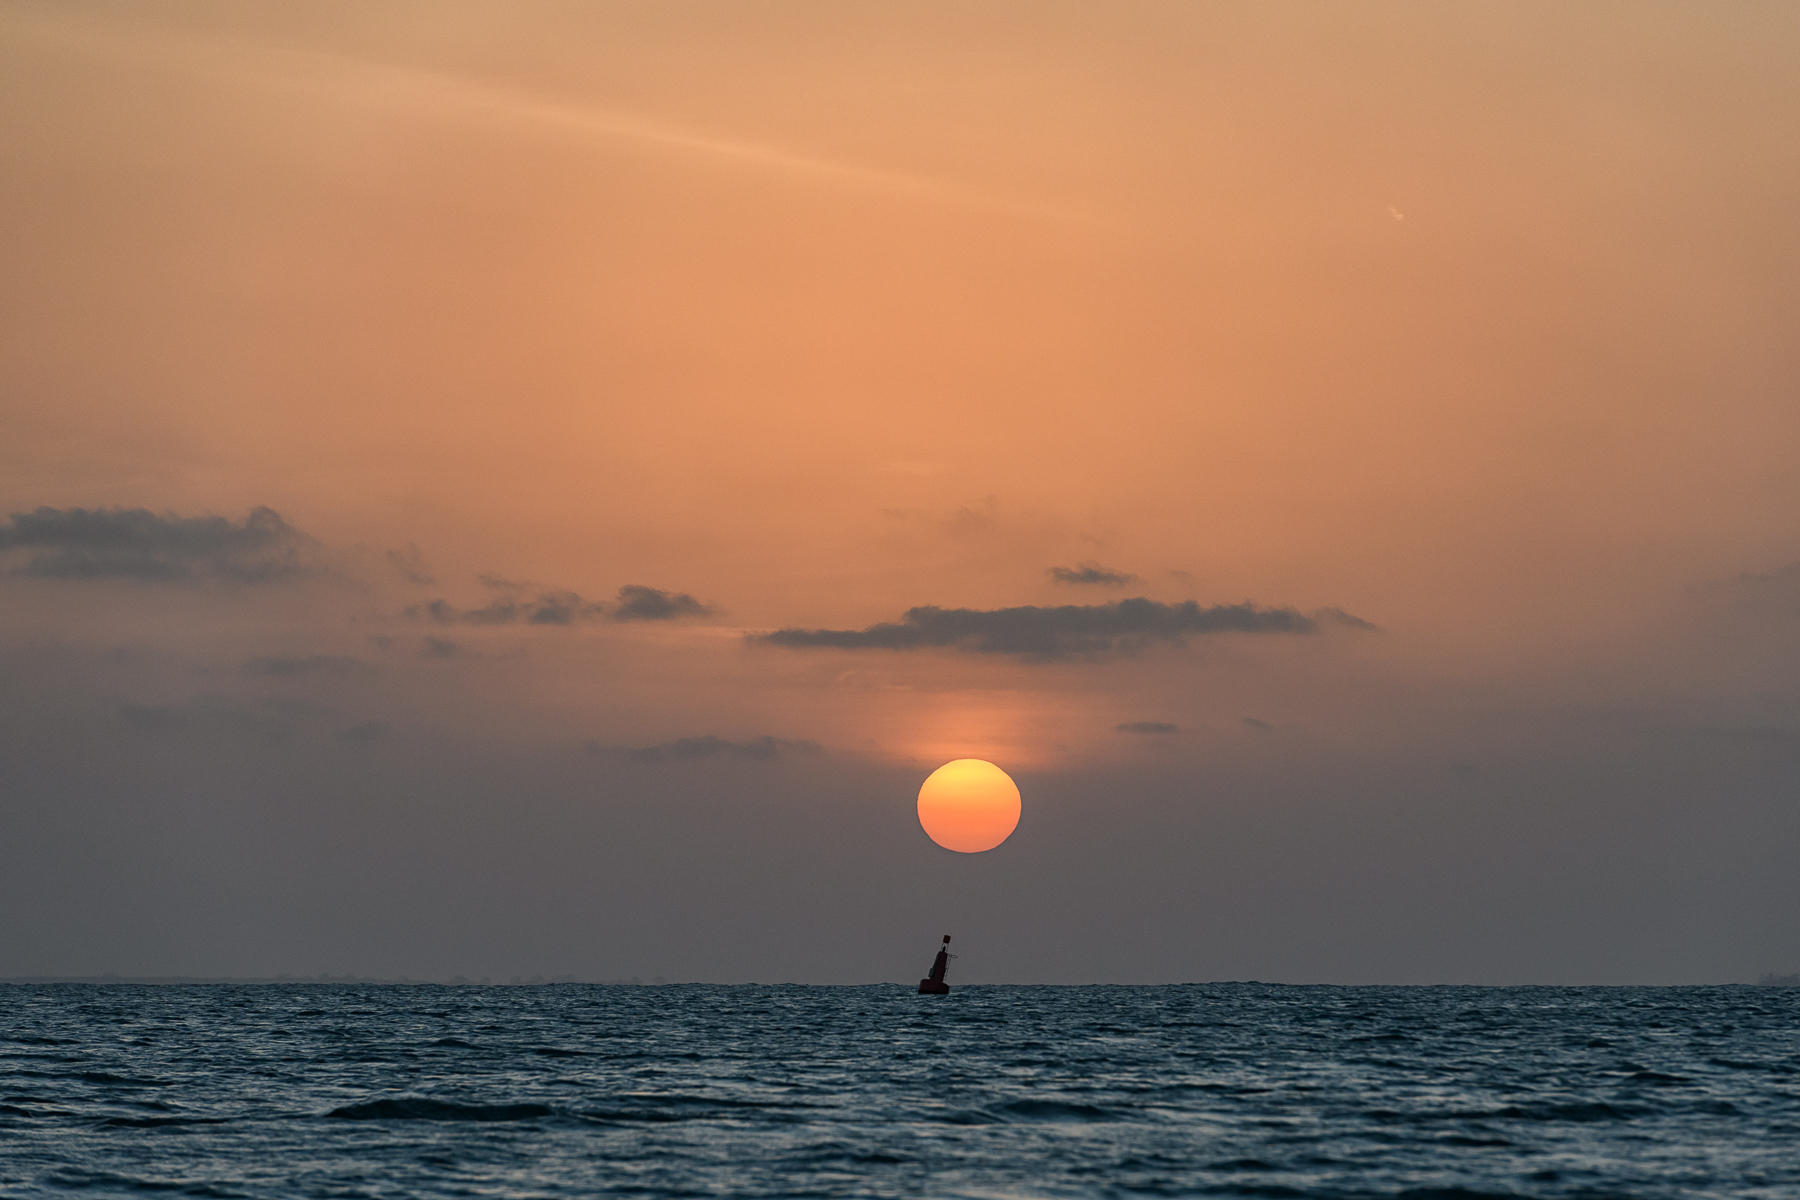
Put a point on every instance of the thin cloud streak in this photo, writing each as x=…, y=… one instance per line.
x=395, y=85
x=1091, y=573
x=765, y=748
x=1147, y=727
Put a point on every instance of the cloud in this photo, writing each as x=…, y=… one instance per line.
x=1338, y=616
x=691, y=749
x=1147, y=727
x=410, y=563
x=397, y=86
x=639, y=603
x=1092, y=573
x=137, y=544
x=1257, y=723
x=1049, y=632
x=546, y=608
x=436, y=647
x=635, y=602
x=364, y=732
x=290, y=665
x=976, y=517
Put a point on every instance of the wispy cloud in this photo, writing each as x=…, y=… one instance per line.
x=410, y=564
x=546, y=608
x=1092, y=573
x=1338, y=616
x=711, y=746
x=436, y=647
x=635, y=602
x=639, y=603
x=440, y=95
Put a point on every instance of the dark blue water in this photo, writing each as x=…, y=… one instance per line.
x=1227, y=1090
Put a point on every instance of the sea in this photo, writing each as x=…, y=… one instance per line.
x=1427, y=1093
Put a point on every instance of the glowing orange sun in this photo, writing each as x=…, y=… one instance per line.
x=969, y=805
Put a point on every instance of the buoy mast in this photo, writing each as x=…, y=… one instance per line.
x=933, y=984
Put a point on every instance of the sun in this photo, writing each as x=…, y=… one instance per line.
x=969, y=805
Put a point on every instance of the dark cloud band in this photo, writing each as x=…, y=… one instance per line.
x=137, y=544
x=1049, y=632
x=635, y=602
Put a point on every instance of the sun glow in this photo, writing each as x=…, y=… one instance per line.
x=969, y=805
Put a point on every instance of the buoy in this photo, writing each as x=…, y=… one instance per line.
x=933, y=984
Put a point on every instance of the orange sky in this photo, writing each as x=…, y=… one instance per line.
x=1472, y=321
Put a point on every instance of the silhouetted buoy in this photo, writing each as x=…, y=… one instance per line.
x=933, y=984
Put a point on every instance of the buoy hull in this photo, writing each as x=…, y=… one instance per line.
x=933, y=987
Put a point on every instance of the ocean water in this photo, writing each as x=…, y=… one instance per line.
x=1216, y=1090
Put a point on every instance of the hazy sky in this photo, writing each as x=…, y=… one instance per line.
x=501, y=490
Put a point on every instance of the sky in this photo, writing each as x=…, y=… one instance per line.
x=528, y=490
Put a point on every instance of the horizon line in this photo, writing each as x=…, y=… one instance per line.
x=1771, y=979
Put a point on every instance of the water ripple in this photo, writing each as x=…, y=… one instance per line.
x=1227, y=1090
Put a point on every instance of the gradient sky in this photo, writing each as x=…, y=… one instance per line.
x=533, y=489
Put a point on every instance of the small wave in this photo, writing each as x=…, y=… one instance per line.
x=101, y=1077
x=1453, y=1193
x=450, y=1043
x=965, y=1116
x=1656, y=1077
x=1055, y=1110
x=683, y=1100
x=838, y=1152
x=1590, y=1111
x=111, y=1080
x=559, y=1052
x=157, y=1122
x=420, y=1108
x=618, y=1116
x=112, y=1182
x=653, y=1109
